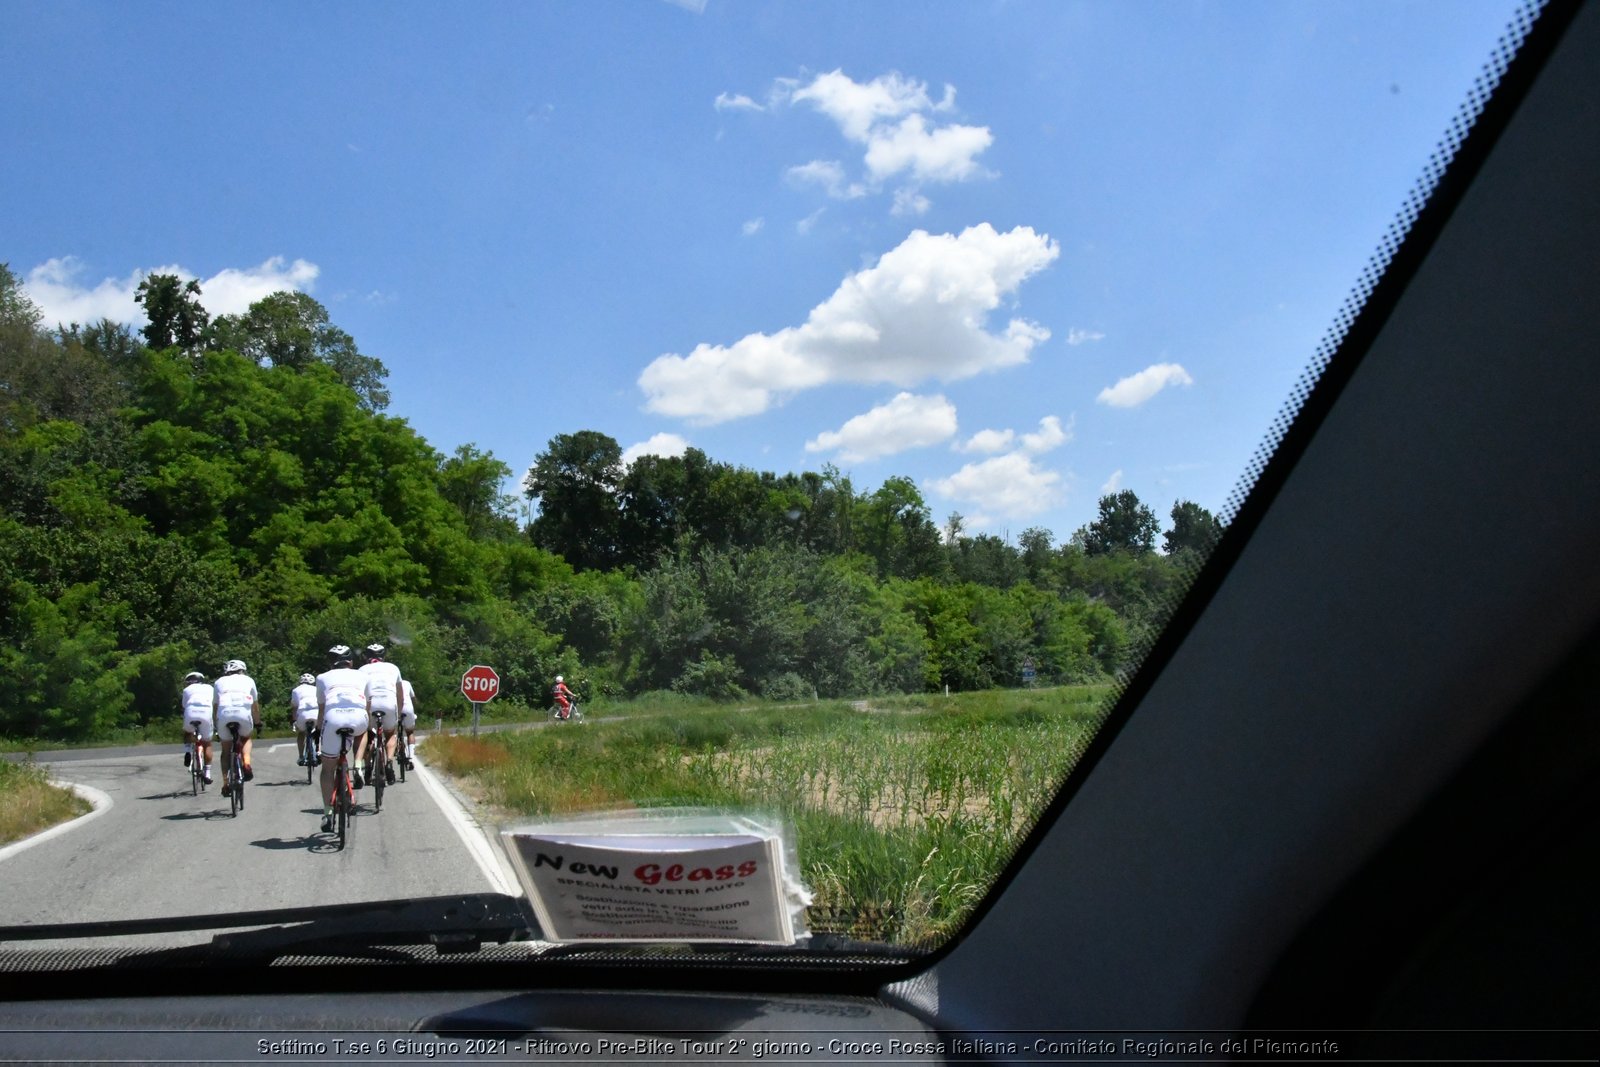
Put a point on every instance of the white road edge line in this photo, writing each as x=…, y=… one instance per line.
x=473, y=835
x=102, y=804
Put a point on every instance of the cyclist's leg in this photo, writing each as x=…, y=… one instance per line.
x=245, y=749
x=358, y=758
x=330, y=764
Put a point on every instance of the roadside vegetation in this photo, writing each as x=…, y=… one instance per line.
x=29, y=802
x=904, y=809
x=210, y=488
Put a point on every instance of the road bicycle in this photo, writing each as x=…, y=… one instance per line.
x=313, y=753
x=197, y=767
x=402, y=751
x=377, y=763
x=233, y=777
x=571, y=713
x=344, y=796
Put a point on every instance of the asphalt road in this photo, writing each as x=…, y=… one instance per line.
x=159, y=851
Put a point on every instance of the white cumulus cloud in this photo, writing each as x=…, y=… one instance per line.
x=1113, y=483
x=752, y=226
x=57, y=286
x=735, y=102
x=661, y=444
x=1051, y=434
x=941, y=154
x=920, y=313
x=1080, y=337
x=1012, y=486
x=908, y=201
x=988, y=441
x=906, y=422
x=829, y=175
x=898, y=125
x=1135, y=389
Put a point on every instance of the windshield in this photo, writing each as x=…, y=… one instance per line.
x=800, y=414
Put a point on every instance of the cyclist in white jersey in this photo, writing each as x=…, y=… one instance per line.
x=303, y=713
x=408, y=720
x=237, y=701
x=341, y=701
x=198, y=703
x=385, y=694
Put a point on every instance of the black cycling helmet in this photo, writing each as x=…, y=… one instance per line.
x=374, y=651
x=339, y=653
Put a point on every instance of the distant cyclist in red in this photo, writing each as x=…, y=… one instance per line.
x=564, y=697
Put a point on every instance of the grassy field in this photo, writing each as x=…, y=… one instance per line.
x=903, y=809
x=29, y=803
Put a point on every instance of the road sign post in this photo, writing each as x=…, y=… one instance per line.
x=479, y=685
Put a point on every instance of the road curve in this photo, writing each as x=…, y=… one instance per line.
x=160, y=851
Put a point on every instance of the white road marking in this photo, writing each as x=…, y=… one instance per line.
x=472, y=835
x=101, y=802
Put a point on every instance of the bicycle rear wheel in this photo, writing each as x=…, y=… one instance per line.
x=377, y=782
x=341, y=805
x=235, y=784
x=196, y=770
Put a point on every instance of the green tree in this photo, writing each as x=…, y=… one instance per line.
x=576, y=479
x=1124, y=523
x=292, y=329
x=1194, y=529
x=470, y=480
x=894, y=526
x=172, y=308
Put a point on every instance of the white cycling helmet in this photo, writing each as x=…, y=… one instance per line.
x=194, y=676
x=558, y=677
x=308, y=679
x=233, y=666
x=339, y=652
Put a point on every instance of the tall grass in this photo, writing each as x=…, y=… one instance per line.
x=30, y=803
x=904, y=811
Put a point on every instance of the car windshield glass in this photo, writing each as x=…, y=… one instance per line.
x=795, y=417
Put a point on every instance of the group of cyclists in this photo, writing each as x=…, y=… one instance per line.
x=372, y=698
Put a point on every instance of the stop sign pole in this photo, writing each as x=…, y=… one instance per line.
x=479, y=685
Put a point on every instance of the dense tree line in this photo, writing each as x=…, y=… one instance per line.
x=212, y=488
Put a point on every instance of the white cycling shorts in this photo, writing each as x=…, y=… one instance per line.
x=355, y=718
x=208, y=725
x=408, y=718
x=240, y=717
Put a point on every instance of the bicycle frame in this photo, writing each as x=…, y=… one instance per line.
x=235, y=778
x=378, y=762
x=197, y=769
x=344, y=800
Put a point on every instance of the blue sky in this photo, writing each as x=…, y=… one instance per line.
x=1020, y=252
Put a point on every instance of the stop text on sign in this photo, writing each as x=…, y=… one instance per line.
x=480, y=684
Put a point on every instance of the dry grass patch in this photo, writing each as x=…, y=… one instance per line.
x=30, y=803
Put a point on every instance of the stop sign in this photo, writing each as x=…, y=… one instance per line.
x=480, y=684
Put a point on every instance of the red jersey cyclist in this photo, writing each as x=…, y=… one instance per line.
x=565, y=698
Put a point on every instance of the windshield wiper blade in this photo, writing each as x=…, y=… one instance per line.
x=458, y=922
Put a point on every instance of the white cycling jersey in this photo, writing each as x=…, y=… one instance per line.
x=342, y=693
x=303, y=697
x=383, y=686
x=198, y=702
x=408, y=714
x=236, y=702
